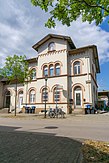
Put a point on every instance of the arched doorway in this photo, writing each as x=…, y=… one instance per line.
x=78, y=97
x=20, y=99
x=7, y=99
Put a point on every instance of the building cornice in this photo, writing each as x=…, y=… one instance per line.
x=52, y=52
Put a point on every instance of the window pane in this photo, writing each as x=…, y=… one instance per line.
x=51, y=46
x=46, y=71
x=77, y=68
x=32, y=96
x=78, y=99
x=57, y=70
x=33, y=75
x=56, y=95
x=44, y=95
x=51, y=71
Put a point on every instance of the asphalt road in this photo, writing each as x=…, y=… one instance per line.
x=94, y=127
x=33, y=139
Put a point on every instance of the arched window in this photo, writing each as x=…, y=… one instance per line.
x=76, y=68
x=57, y=69
x=44, y=95
x=45, y=71
x=21, y=92
x=32, y=95
x=56, y=94
x=51, y=70
x=51, y=46
x=33, y=74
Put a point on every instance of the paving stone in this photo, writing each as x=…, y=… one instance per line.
x=25, y=147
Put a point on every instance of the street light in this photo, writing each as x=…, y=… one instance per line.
x=45, y=96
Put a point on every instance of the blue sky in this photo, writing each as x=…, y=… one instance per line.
x=22, y=25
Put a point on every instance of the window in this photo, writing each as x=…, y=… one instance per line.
x=21, y=92
x=51, y=46
x=56, y=94
x=57, y=69
x=51, y=70
x=32, y=96
x=45, y=71
x=44, y=95
x=33, y=75
x=77, y=67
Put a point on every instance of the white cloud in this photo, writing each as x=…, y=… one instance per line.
x=84, y=34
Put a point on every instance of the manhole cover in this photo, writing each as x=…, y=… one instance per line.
x=51, y=127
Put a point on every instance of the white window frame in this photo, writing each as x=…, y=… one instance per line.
x=51, y=46
x=32, y=95
x=77, y=68
x=43, y=95
x=33, y=74
x=57, y=67
x=51, y=69
x=45, y=69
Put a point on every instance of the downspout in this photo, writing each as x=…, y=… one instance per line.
x=68, y=105
x=88, y=64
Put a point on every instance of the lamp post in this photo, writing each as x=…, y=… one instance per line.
x=45, y=96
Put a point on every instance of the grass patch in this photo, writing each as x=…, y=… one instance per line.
x=95, y=151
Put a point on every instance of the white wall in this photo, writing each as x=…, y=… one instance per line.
x=59, y=44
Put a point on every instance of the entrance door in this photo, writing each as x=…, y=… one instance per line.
x=20, y=99
x=7, y=99
x=78, y=98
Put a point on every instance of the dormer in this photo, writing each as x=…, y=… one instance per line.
x=53, y=42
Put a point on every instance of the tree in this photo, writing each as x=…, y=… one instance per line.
x=16, y=71
x=67, y=11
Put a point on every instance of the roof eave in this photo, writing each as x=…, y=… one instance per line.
x=46, y=38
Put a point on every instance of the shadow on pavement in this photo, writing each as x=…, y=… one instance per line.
x=28, y=147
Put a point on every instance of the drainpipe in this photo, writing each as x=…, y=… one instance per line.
x=68, y=105
x=88, y=64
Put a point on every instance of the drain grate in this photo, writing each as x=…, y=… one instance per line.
x=51, y=127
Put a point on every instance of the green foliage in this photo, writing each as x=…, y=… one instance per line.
x=16, y=68
x=67, y=11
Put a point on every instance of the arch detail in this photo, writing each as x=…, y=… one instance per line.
x=77, y=60
x=78, y=85
x=32, y=88
x=43, y=88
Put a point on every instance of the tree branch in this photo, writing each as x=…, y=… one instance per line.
x=94, y=5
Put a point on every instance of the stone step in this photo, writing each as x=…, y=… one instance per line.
x=78, y=111
x=4, y=110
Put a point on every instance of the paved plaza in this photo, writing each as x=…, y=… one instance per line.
x=30, y=138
